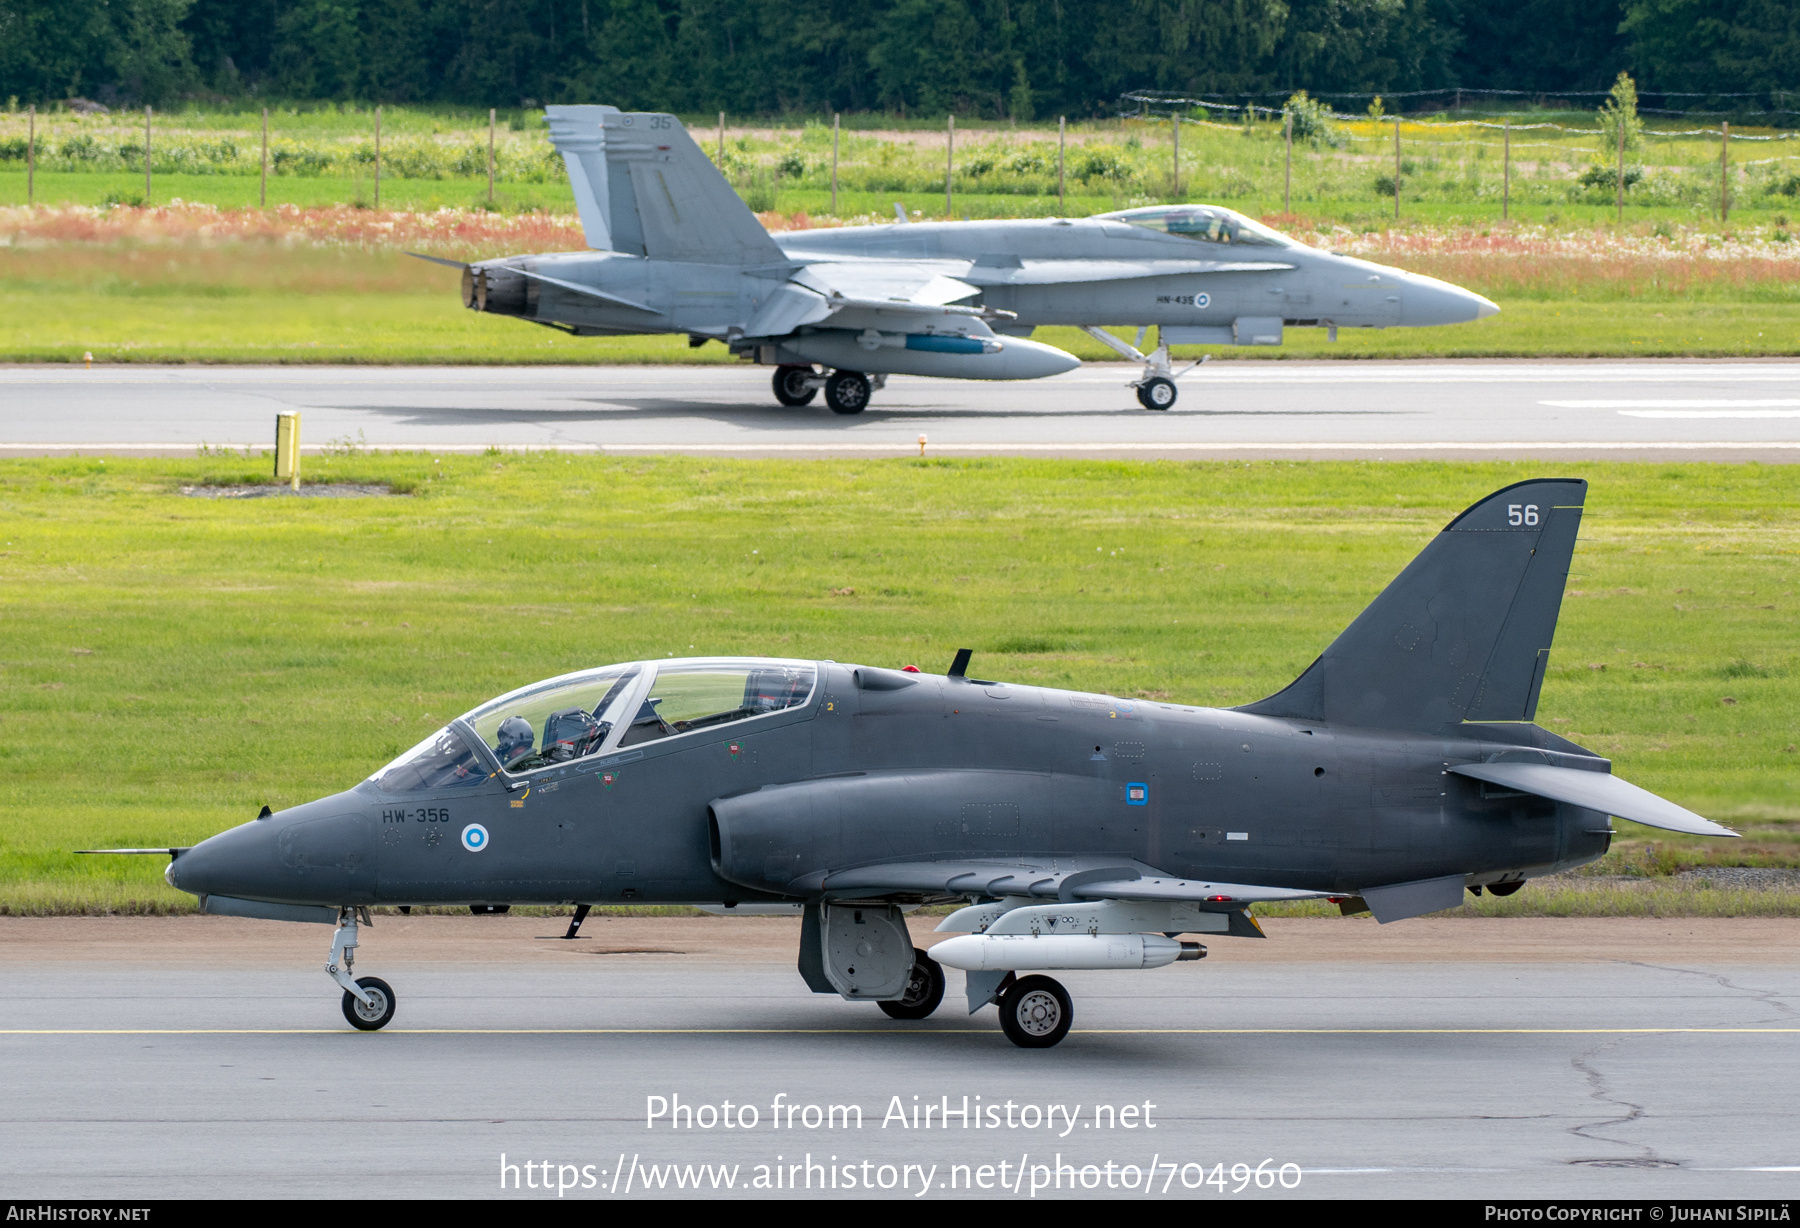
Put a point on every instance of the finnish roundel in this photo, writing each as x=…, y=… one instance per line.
x=475, y=838
x=1202, y=302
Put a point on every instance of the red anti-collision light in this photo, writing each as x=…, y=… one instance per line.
x=909, y=669
x=1218, y=899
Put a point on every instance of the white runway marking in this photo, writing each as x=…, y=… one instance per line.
x=1706, y=403
x=1228, y=410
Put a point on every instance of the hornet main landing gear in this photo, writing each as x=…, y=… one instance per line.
x=368, y=1001
x=1156, y=387
x=846, y=392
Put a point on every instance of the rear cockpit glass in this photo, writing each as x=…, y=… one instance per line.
x=442, y=761
x=685, y=698
x=557, y=721
x=1205, y=223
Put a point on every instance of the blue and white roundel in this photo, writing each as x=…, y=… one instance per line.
x=1202, y=302
x=475, y=838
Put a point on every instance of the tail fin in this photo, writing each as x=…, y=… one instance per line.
x=642, y=186
x=1463, y=633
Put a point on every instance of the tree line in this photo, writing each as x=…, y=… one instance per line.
x=1018, y=59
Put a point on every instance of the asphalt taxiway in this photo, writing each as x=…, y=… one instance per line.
x=1343, y=409
x=204, y=1057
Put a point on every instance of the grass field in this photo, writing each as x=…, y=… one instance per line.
x=171, y=664
x=195, y=284
x=1452, y=169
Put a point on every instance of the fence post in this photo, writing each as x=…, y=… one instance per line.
x=31, y=156
x=1724, y=166
x=1505, y=168
x=492, y=118
x=1062, y=134
x=1176, y=120
x=146, y=156
x=1287, y=170
x=378, y=157
x=949, y=168
x=835, y=117
x=1620, y=207
x=263, y=189
x=1396, y=168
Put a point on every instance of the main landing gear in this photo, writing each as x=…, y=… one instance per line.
x=368, y=1001
x=846, y=392
x=924, y=990
x=1035, y=1012
x=1156, y=387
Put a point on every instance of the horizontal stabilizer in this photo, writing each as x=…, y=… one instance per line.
x=577, y=288
x=1600, y=791
x=1403, y=900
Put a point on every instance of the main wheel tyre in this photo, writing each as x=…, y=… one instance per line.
x=790, y=386
x=370, y=1018
x=1157, y=393
x=1036, y=1012
x=924, y=990
x=847, y=392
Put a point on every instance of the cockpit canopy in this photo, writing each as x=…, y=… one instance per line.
x=581, y=715
x=1205, y=223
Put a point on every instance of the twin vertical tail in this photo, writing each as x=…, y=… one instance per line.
x=1463, y=634
x=644, y=188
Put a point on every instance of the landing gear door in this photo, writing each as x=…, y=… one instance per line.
x=868, y=951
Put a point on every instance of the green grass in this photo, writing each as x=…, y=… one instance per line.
x=168, y=665
x=250, y=327
x=1450, y=171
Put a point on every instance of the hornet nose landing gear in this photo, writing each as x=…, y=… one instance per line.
x=368, y=1002
x=1156, y=387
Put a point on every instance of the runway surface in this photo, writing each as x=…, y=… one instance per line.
x=1568, y=1058
x=1561, y=410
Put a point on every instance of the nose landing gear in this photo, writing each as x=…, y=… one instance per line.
x=1156, y=387
x=368, y=1002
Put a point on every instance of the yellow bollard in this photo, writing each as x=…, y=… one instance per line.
x=88, y=358
x=287, y=449
x=921, y=445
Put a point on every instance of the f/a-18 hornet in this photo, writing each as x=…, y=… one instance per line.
x=675, y=250
x=1077, y=831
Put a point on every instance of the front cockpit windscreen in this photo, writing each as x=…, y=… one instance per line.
x=442, y=761
x=1204, y=223
x=557, y=721
x=685, y=697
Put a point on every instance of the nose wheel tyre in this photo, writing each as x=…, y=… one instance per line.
x=1156, y=393
x=375, y=1016
x=1036, y=1012
x=790, y=386
x=924, y=990
x=847, y=392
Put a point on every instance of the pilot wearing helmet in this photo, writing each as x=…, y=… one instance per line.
x=515, y=740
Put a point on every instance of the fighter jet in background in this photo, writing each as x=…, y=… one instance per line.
x=1076, y=830
x=675, y=250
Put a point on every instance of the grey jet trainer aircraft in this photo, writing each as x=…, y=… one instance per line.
x=1076, y=830
x=675, y=250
